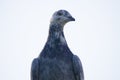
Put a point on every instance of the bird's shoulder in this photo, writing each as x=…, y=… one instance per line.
x=35, y=62
x=35, y=69
x=77, y=67
x=76, y=61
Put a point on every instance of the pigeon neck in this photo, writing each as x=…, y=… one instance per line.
x=56, y=35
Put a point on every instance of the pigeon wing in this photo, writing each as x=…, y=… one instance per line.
x=77, y=67
x=35, y=69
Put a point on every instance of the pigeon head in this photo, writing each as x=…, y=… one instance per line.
x=61, y=17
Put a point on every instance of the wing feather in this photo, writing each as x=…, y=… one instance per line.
x=35, y=69
x=77, y=67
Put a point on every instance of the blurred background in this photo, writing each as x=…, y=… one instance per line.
x=94, y=36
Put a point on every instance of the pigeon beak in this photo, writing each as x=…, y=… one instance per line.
x=71, y=18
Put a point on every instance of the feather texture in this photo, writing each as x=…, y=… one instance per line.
x=56, y=61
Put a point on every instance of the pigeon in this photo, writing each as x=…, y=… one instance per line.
x=56, y=61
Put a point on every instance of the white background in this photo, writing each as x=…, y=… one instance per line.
x=94, y=36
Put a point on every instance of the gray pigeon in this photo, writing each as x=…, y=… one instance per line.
x=56, y=61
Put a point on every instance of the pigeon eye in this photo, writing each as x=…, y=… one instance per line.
x=59, y=13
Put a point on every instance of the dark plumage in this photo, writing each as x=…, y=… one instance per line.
x=56, y=61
